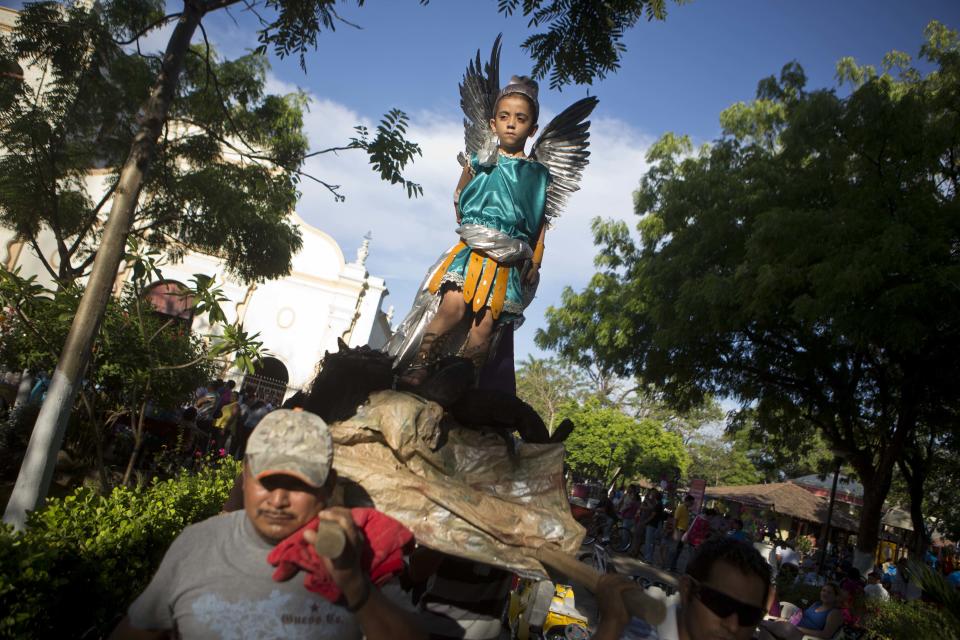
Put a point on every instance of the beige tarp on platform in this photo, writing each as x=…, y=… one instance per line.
x=470, y=498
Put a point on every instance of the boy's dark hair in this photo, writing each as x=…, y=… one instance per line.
x=734, y=552
x=689, y=498
x=232, y=384
x=534, y=108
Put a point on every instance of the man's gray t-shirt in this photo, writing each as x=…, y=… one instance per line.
x=215, y=582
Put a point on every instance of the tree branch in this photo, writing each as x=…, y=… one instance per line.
x=207, y=7
x=162, y=327
x=211, y=75
x=181, y=366
x=94, y=214
x=43, y=260
x=332, y=188
x=151, y=26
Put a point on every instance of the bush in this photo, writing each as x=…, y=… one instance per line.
x=893, y=620
x=82, y=559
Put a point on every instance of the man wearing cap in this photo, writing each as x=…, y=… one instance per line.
x=215, y=580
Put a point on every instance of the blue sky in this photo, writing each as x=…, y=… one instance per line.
x=677, y=75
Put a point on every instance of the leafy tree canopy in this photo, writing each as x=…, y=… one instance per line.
x=722, y=463
x=227, y=165
x=804, y=263
x=606, y=438
x=548, y=385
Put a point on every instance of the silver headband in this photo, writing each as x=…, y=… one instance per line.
x=524, y=86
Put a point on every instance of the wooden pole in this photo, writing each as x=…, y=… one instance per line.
x=638, y=603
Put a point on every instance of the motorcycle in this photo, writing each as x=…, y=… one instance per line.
x=530, y=616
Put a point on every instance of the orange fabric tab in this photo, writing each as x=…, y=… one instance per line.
x=442, y=269
x=484, y=286
x=499, y=291
x=472, y=278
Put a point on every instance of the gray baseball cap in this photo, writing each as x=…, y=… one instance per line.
x=296, y=443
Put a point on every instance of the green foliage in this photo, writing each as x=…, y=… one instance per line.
x=140, y=358
x=803, y=264
x=779, y=454
x=82, y=559
x=606, y=437
x=389, y=151
x=722, y=463
x=584, y=38
x=225, y=173
x=895, y=619
x=939, y=590
x=547, y=385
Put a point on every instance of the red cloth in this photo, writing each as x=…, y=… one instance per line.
x=698, y=532
x=383, y=544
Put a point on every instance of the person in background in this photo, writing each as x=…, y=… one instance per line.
x=651, y=522
x=787, y=557
x=206, y=404
x=225, y=425
x=874, y=589
x=629, y=508
x=226, y=392
x=903, y=586
x=681, y=523
x=736, y=531
x=822, y=619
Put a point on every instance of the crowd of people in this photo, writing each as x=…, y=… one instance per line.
x=221, y=418
x=665, y=536
x=230, y=575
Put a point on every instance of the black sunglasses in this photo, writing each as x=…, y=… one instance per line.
x=723, y=605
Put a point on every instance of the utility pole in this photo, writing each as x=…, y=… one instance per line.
x=36, y=472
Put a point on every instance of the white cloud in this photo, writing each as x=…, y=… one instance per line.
x=409, y=234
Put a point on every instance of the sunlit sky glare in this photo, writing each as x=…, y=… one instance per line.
x=676, y=75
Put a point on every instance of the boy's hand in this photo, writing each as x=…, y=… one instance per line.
x=533, y=274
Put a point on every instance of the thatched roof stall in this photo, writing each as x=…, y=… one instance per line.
x=787, y=499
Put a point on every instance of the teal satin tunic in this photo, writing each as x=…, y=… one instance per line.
x=508, y=197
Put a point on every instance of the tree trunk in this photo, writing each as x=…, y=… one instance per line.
x=36, y=473
x=876, y=486
x=916, y=477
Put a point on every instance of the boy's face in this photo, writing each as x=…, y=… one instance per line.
x=513, y=122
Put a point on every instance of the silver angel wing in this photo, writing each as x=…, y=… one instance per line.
x=562, y=147
x=478, y=96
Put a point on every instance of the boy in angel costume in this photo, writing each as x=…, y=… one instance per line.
x=502, y=202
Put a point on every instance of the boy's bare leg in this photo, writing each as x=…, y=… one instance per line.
x=478, y=340
x=449, y=314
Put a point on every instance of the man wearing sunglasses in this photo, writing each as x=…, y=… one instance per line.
x=723, y=595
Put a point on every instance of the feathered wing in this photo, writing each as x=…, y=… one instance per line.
x=562, y=147
x=478, y=96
